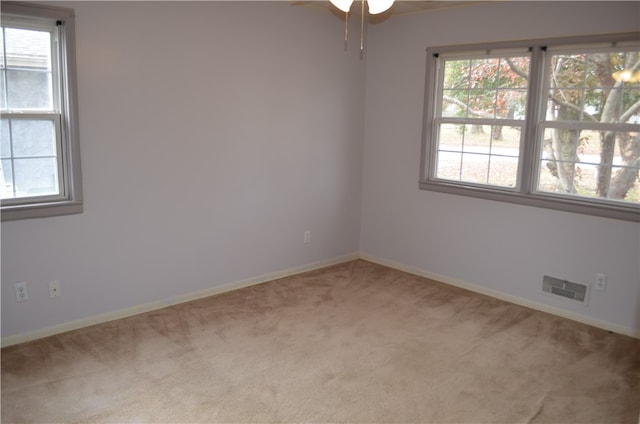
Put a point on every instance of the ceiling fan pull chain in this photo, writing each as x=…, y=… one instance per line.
x=346, y=29
x=362, y=29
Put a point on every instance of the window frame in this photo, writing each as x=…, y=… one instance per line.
x=525, y=192
x=70, y=200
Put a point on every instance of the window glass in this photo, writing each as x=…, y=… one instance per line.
x=29, y=146
x=28, y=69
x=596, y=87
x=590, y=158
x=481, y=110
x=35, y=176
x=485, y=88
x=593, y=164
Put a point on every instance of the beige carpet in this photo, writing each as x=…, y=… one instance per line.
x=356, y=342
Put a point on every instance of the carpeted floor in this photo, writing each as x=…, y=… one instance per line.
x=356, y=343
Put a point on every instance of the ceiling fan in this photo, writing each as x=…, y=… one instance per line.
x=375, y=6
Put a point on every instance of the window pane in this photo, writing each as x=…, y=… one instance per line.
x=475, y=168
x=559, y=155
x=6, y=180
x=483, y=73
x=29, y=72
x=485, y=88
x=5, y=146
x=3, y=103
x=511, y=104
x=456, y=74
x=491, y=154
x=594, y=87
x=496, y=139
x=481, y=103
x=454, y=103
x=35, y=177
x=548, y=180
x=600, y=164
x=32, y=146
x=567, y=83
x=503, y=171
x=28, y=49
x=29, y=90
x=625, y=184
x=3, y=92
x=2, y=49
x=33, y=138
x=477, y=138
x=514, y=72
x=505, y=140
x=451, y=137
x=448, y=165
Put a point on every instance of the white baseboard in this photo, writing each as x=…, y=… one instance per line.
x=503, y=296
x=148, y=307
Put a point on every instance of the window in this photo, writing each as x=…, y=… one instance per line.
x=553, y=123
x=39, y=150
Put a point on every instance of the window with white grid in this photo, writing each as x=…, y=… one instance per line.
x=549, y=123
x=39, y=153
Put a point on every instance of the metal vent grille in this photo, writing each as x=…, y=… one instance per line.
x=564, y=288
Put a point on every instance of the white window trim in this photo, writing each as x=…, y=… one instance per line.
x=525, y=193
x=71, y=202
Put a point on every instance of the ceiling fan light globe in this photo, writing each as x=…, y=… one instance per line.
x=343, y=5
x=378, y=6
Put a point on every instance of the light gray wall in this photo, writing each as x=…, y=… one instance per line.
x=212, y=135
x=495, y=246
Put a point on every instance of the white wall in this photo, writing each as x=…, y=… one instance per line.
x=491, y=246
x=212, y=136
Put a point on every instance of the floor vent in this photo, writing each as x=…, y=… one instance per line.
x=564, y=288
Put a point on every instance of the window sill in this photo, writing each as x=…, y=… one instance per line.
x=577, y=205
x=41, y=210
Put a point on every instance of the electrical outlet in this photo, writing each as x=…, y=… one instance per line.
x=307, y=236
x=21, y=292
x=601, y=282
x=54, y=289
